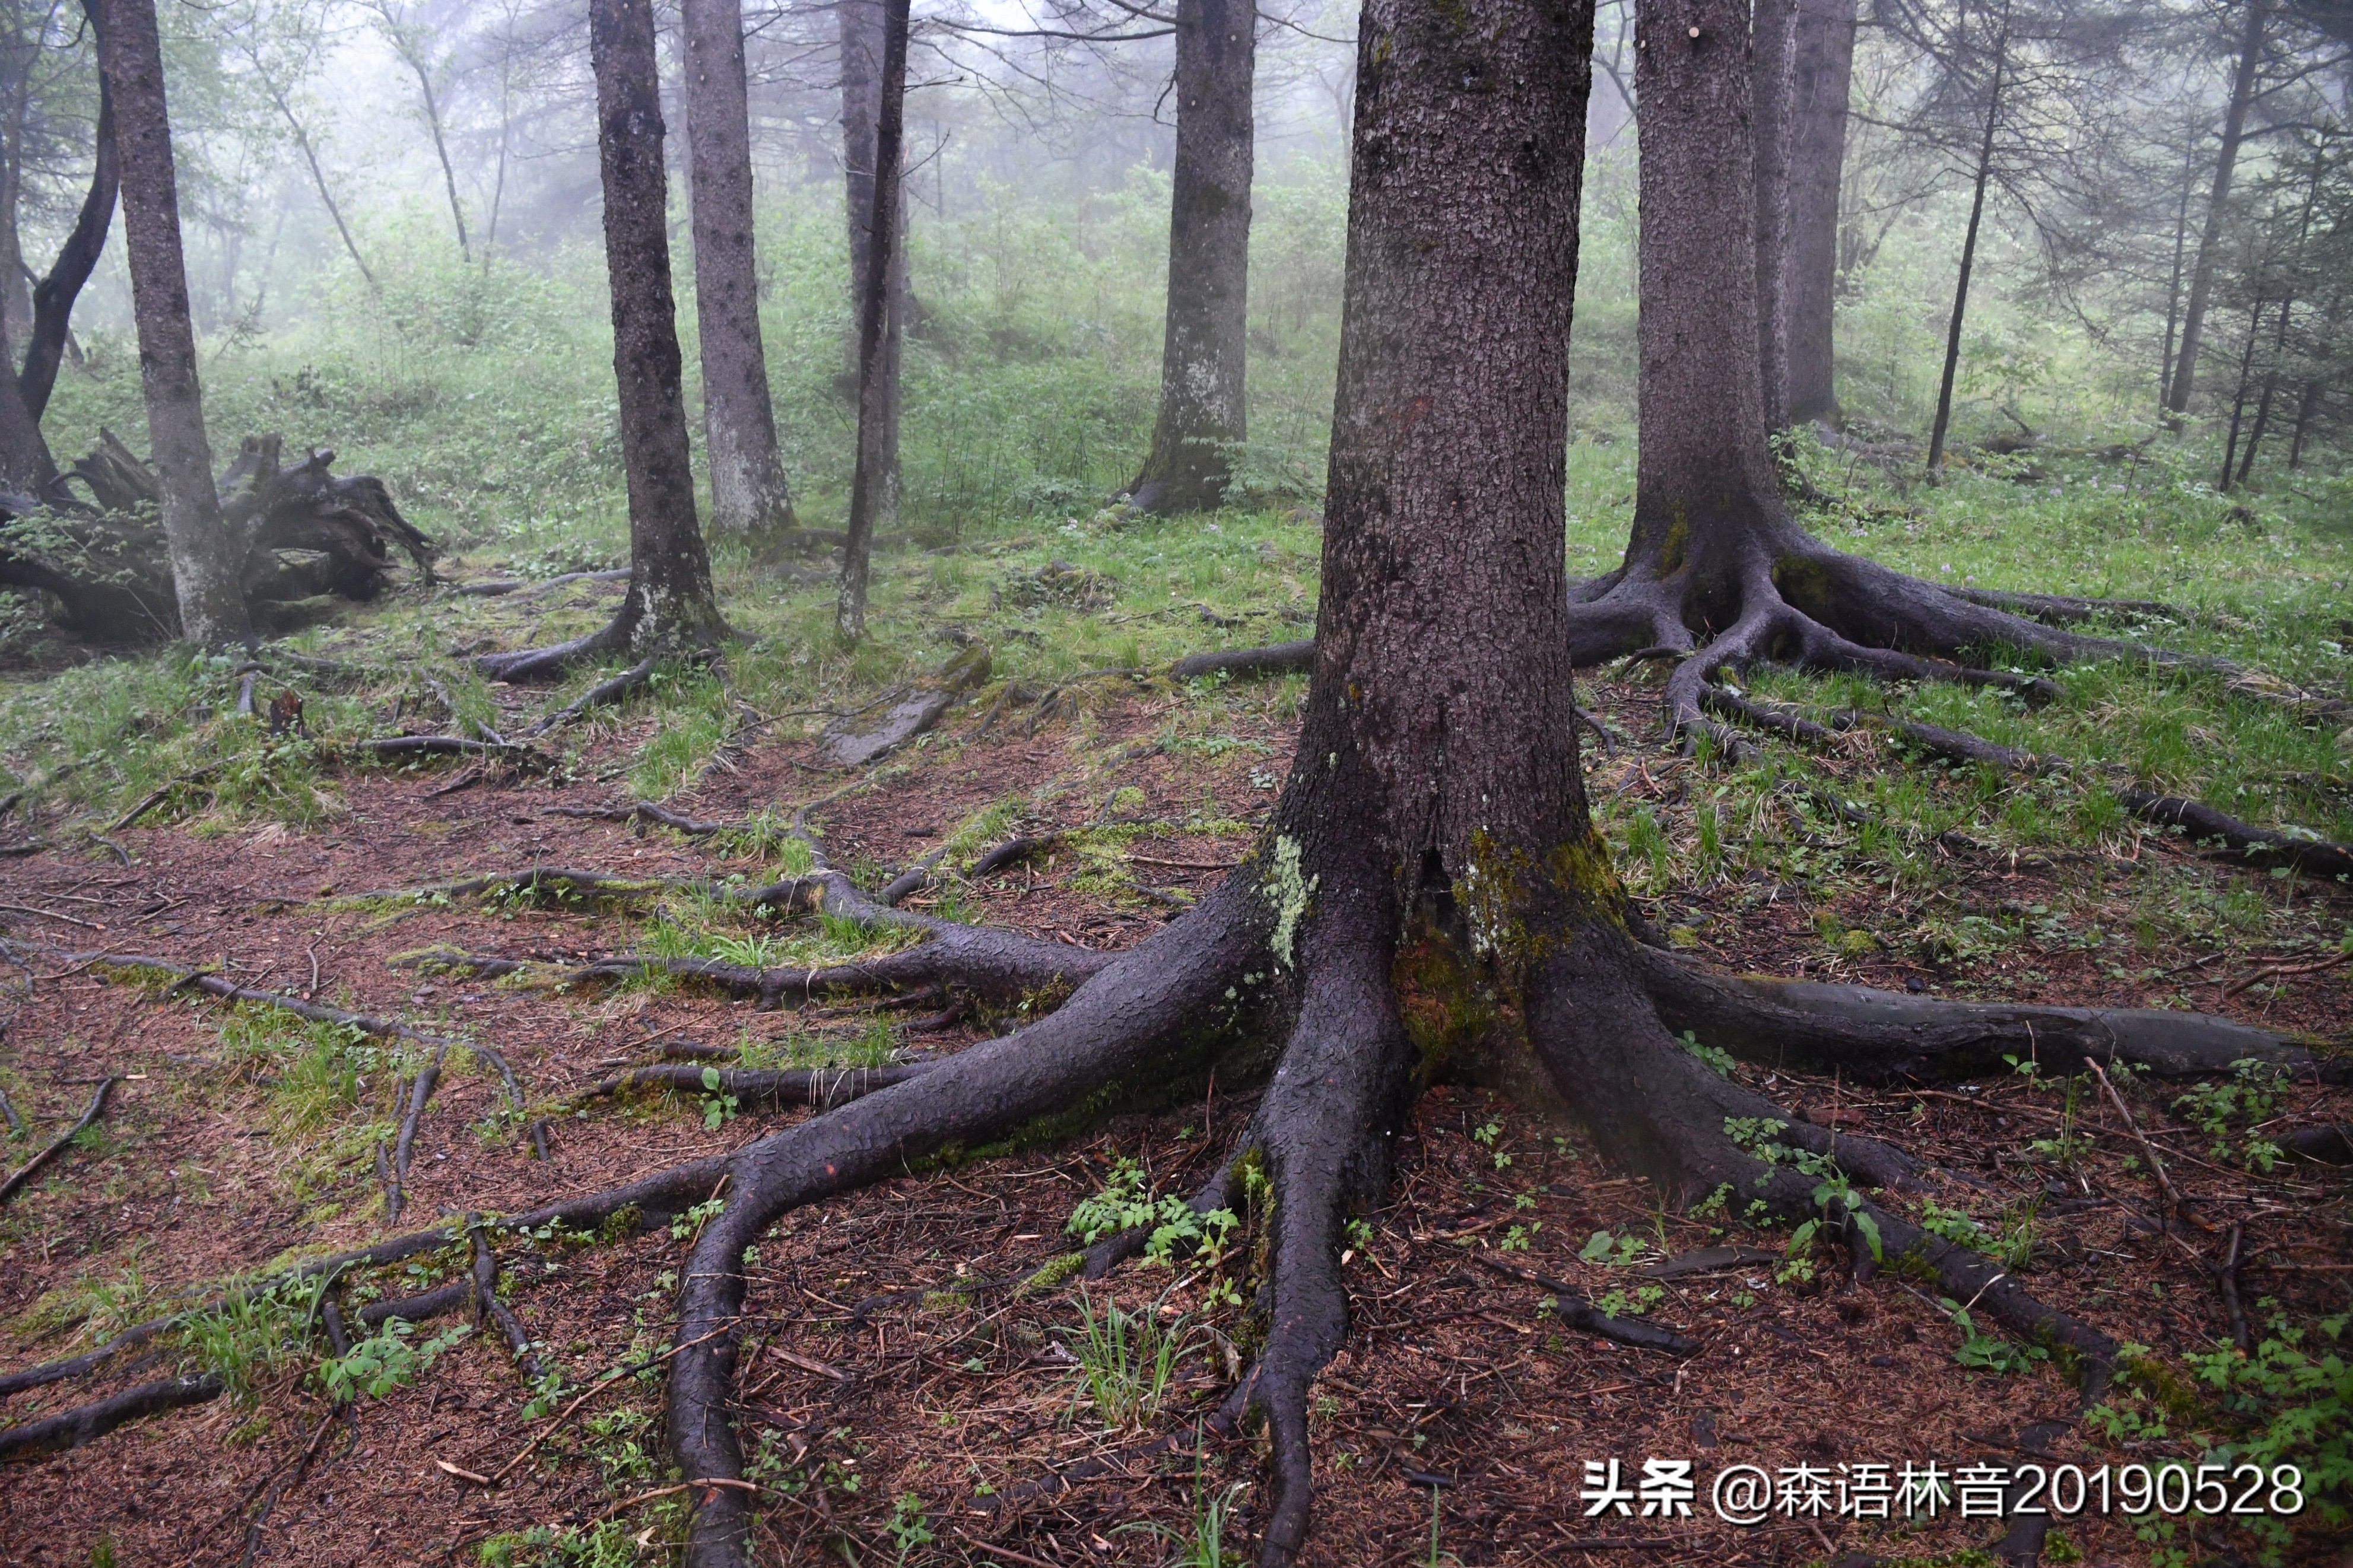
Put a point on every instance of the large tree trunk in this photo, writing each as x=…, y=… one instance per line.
x=2218, y=205
x=1821, y=70
x=1206, y=348
x=205, y=559
x=670, y=575
x=878, y=421
x=861, y=25
x=1968, y=254
x=670, y=611
x=1772, y=86
x=748, y=492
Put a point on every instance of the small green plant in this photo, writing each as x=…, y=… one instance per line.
x=1126, y=1203
x=718, y=1105
x=248, y=1340
x=1980, y=1350
x=909, y=1525
x=693, y=1221
x=1612, y=1251
x=2248, y=1096
x=1126, y=1359
x=1719, y=1061
x=2291, y=1402
x=377, y=1365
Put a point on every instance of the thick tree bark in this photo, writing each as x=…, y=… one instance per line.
x=2218, y=205
x=670, y=575
x=1205, y=352
x=1820, y=78
x=204, y=558
x=878, y=424
x=748, y=492
x=861, y=27
x=1969, y=253
x=1772, y=87
x=670, y=610
x=1703, y=474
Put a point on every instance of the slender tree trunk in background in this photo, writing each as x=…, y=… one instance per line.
x=54, y=296
x=16, y=305
x=876, y=424
x=862, y=25
x=1206, y=348
x=670, y=575
x=319, y=182
x=1771, y=64
x=2305, y=407
x=413, y=56
x=748, y=493
x=205, y=560
x=1821, y=81
x=2218, y=204
x=2286, y=308
x=2173, y=283
x=2239, y=398
x=1969, y=255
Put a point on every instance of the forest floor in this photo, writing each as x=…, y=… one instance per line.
x=901, y=1409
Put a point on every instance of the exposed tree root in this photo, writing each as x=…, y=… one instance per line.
x=496, y=588
x=418, y=1093
x=1570, y=1306
x=1135, y=1016
x=369, y=1024
x=484, y=1278
x=1241, y=663
x=2258, y=845
x=603, y=694
x=822, y=1087
x=652, y=1201
x=88, y=1422
x=506, y=752
x=2065, y=610
x=1877, y=1035
x=639, y=813
x=32, y=1167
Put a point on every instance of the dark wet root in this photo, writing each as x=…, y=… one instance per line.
x=1138, y=1017
x=604, y=693
x=552, y=663
x=822, y=1087
x=2201, y=822
x=88, y=1422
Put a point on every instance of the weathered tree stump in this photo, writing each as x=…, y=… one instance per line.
x=309, y=539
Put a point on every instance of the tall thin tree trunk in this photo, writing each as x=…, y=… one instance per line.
x=412, y=54
x=670, y=575
x=861, y=25
x=2173, y=283
x=319, y=182
x=2239, y=398
x=2286, y=308
x=1205, y=350
x=2218, y=204
x=748, y=492
x=205, y=558
x=1772, y=84
x=1821, y=81
x=2307, y=406
x=54, y=296
x=1969, y=252
x=874, y=422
